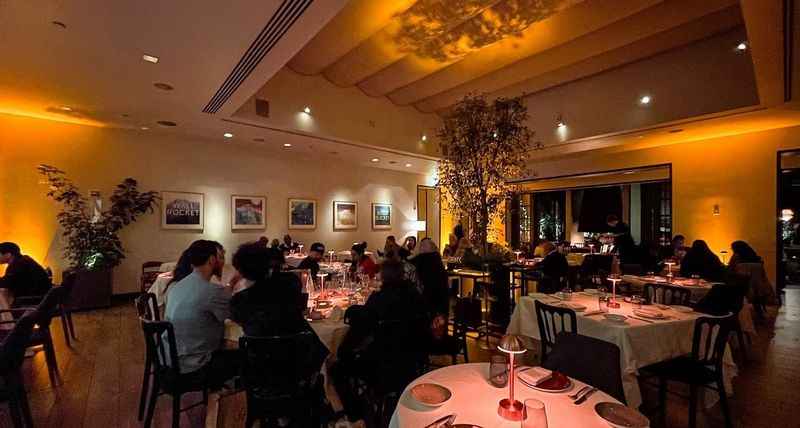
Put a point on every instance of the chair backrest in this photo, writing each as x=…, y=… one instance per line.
x=279, y=367
x=159, y=339
x=467, y=313
x=710, y=338
x=400, y=351
x=12, y=348
x=48, y=307
x=552, y=321
x=151, y=265
x=667, y=294
x=592, y=361
x=147, y=307
x=68, y=281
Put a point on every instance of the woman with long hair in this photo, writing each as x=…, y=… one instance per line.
x=700, y=260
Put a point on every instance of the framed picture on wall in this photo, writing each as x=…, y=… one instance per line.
x=182, y=210
x=248, y=212
x=345, y=215
x=381, y=216
x=302, y=214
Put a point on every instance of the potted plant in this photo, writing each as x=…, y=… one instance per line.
x=92, y=244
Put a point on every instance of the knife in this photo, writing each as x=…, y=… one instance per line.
x=585, y=396
x=444, y=421
x=641, y=319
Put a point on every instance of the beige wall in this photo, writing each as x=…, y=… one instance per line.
x=99, y=158
x=736, y=172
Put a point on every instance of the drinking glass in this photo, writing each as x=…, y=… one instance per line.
x=695, y=279
x=602, y=303
x=498, y=370
x=535, y=414
x=636, y=301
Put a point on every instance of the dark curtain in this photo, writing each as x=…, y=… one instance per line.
x=597, y=203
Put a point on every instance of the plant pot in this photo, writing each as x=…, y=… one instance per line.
x=92, y=289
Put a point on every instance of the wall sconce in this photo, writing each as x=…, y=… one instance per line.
x=716, y=209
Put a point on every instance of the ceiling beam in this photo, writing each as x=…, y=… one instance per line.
x=764, y=22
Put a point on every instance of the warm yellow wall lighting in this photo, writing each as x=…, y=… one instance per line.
x=47, y=116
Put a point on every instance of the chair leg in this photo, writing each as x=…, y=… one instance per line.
x=71, y=326
x=176, y=411
x=151, y=405
x=723, y=402
x=50, y=357
x=65, y=327
x=692, y=406
x=145, y=386
x=662, y=400
x=16, y=412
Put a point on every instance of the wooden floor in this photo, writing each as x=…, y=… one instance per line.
x=102, y=372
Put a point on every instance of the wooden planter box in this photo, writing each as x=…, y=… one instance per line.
x=92, y=290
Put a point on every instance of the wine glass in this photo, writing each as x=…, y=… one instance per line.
x=535, y=414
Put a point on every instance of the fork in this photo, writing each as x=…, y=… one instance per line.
x=580, y=391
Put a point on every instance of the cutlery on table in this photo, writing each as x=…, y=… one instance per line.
x=444, y=421
x=641, y=319
x=580, y=391
x=594, y=312
x=585, y=396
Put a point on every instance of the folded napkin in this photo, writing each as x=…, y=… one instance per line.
x=535, y=375
x=337, y=314
x=594, y=312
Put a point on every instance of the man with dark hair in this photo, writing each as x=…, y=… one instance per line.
x=24, y=277
x=197, y=310
x=288, y=245
x=616, y=226
x=315, y=254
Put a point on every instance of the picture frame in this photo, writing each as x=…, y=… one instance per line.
x=302, y=213
x=248, y=212
x=182, y=210
x=345, y=215
x=381, y=216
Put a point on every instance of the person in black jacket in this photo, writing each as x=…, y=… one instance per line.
x=700, y=260
x=553, y=267
x=433, y=277
x=315, y=254
x=24, y=277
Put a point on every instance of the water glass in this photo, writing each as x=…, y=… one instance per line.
x=498, y=370
x=695, y=279
x=602, y=303
x=636, y=301
x=535, y=414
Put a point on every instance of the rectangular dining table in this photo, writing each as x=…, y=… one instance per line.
x=641, y=343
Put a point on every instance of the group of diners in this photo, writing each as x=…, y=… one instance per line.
x=267, y=300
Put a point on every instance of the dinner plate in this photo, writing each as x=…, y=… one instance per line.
x=616, y=318
x=465, y=426
x=557, y=383
x=430, y=394
x=684, y=309
x=620, y=416
x=653, y=315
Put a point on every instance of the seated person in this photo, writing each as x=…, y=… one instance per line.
x=289, y=245
x=409, y=245
x=362, y=263
x=676, y=250
x=315, y=254
x=699, y=260
x=432, y=275
x=272, y=304
x=553, y=267
x=392, y=253
x=197, y=309
x=24, y=277
x=615, y=226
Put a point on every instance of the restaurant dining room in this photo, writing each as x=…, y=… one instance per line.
x=399, y=213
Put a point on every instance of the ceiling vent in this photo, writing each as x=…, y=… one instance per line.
x=262, y=107
x=283, y=19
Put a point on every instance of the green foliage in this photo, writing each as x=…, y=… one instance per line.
x=93, y=243
x=484, y=145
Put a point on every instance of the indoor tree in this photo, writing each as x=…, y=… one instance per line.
x=484, y=144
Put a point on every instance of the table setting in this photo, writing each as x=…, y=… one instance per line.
x=698, y=287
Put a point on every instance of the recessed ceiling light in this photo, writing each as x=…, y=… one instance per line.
x=408, y=165
x=150, y=58
x=287, y=145
x=65, y=108
x=374, y=160
x=645, y=99
x=629, y=172
x=392, y=162
x=167, y=123
x=227, y=135
x=144, y=128
x=59, y=24
x=258, y=140
x=741, y=47
x=307, y=110
x=560, y=122
x=163, y=86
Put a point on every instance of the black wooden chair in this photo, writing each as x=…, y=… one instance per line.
x=63, y=310
x=147, y=307
x=667, y=294
x=728, y=297
x=455, y=343
x=162, y=351
x=552, y=321
x=702, y=368
x=48, y=307
x=592, y=361
x=12, y=354
x=281, y=381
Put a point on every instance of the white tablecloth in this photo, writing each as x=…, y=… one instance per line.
x=697, y=291
x=475, y=401
x=640, y=343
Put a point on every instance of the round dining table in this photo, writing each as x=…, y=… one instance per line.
x=474, y=401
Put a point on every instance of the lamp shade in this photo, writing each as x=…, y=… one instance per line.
x=511, y=344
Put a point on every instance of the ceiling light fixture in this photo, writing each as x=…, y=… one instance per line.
x=645, y=100
x=307, y=110
x=227, y=135
x=150, y=58
x=560, y=122
x=408, y=165
x=287, y=145
x=741, y=47
x=167, y=123
x=65, y=108
x=59, y=24
x=144, y=128
x=163, y=86
x=373, y=160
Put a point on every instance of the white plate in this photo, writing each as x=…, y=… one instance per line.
x=616, y=318
x=684, y=309
x=620, y=416
x=430, y=394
